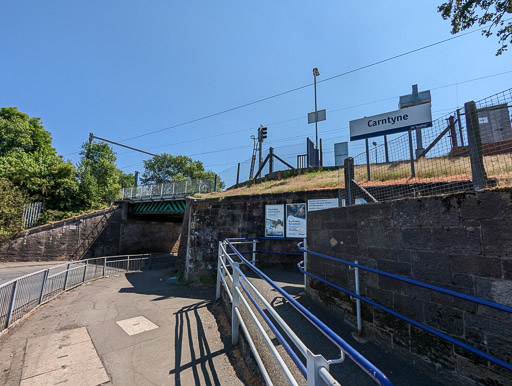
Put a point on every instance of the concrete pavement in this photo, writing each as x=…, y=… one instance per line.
x=143, y=331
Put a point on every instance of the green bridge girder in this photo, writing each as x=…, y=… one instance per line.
x=159, y=207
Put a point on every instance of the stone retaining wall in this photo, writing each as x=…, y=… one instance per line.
x=460, y=242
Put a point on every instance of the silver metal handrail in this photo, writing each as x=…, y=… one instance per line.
x=20, y=296
x=240, y=291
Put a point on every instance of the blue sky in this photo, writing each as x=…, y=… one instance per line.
x=120, y=69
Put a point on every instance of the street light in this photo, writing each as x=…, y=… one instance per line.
x=315, y=74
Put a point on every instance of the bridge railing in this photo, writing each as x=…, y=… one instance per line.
x=355, y=295
x=245, y=296
x=170, y=189
x=21, y=296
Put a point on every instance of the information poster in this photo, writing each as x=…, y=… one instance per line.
x=322, y=203
x=296, y=220
x=274, y=220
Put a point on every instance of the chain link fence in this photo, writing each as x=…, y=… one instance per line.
x=470, y=148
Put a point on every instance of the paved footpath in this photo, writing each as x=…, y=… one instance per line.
x=128, y=330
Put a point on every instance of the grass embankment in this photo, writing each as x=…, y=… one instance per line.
x=439, y=169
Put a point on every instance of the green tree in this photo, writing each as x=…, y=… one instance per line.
x=463, y=14
x=166, y=167
x=100, y=179
x=11, y=209
x=29, y=162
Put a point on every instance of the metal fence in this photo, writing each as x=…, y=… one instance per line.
x=170, y=189
x=31, y=213
x=21, y=296
x=470, y=148
x=247, y=300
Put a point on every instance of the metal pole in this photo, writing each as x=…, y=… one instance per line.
x=316, y=112
x=411, y=152
x=419, y=139
x=43, y=285
x=271, y=160
x=215, y=183
x=321, y=154
x=11, y=304
x=128, y=265
x=236, y=300
x=238, y=175
x=367, y=159
x=104, y=265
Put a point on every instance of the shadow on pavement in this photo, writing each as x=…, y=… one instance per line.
x=188, y=323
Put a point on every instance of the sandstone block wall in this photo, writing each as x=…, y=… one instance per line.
x=60, y=240
x=461, y=242
x=208, y=221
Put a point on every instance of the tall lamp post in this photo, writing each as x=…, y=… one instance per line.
x=315, y=74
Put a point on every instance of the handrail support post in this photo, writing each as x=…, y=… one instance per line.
x=220, y=272
x=254, y=252
x=235, y=323
x=314, y=364
x=358, y=301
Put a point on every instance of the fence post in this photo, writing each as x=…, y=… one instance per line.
x=386, y=152
x=475, y=146
x=11, y=304
x=349, y=176
x=85, y=271
x=254, y=252
x=367, y=159
x=411, y=152
x=66, y=277
x=104, y=266
x=460, y=128
x=453, y=133
x=43, y=285
x=128, y=264
x=236, y=301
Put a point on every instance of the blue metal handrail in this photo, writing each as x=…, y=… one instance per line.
x=498, y=306
x=353, y=354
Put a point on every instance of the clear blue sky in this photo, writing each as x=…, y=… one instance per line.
x=124, y=68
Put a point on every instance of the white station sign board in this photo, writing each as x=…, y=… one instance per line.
x=414, y=117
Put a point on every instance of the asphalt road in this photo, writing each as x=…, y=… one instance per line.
x=10, y=271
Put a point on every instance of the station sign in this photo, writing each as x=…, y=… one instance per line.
x=415, y=117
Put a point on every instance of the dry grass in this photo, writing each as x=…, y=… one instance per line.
x=440, y=169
